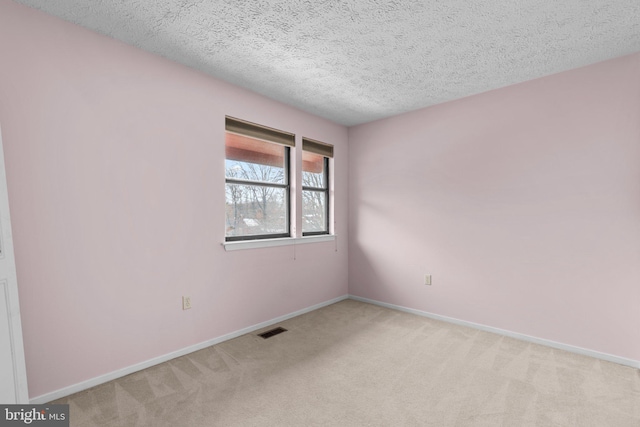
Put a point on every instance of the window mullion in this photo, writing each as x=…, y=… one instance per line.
x=255, y=183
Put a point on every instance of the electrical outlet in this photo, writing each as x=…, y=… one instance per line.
x=427, y=279
x=186, y=303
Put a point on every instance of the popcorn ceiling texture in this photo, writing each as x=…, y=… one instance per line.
x=360, y=60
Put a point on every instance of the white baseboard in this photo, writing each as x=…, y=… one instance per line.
x=75, y=388
x=573, y=349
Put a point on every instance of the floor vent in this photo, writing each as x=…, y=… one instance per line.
x=272, y=332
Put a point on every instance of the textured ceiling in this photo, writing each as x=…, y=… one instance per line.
x=355, y=61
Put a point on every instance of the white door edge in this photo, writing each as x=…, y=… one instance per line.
x=9, y=287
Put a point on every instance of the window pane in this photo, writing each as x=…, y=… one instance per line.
x=314, y=211
x=313, y=170
x=255, y=210
x=253, y=159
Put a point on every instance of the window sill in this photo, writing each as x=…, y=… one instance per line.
x=285, y=241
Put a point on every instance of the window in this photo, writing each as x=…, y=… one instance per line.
x=315, y=187
x=258, y=186
x=257, y=181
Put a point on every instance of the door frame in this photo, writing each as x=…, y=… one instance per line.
x=9, y=286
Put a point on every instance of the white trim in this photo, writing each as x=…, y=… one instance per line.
x=75, y=388
x=4, y=284
x=285, y=241
x=570, y=348
x=11, y=290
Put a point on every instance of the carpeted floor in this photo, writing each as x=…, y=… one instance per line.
x=356, y=364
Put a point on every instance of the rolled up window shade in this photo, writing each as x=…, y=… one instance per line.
x=253, y=130
x=317, y=147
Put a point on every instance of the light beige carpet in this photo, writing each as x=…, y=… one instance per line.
x=356, y=364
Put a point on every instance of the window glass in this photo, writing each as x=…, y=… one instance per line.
x=315, y=194
x=314, y=211
x=313, y=170
x=254, y=160
x=257, y=191
x=255, y=210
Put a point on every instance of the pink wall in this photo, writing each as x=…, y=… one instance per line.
x=116, y=182
x=524, y=204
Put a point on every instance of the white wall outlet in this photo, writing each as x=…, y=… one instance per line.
x=427, y=279
x=186, y=303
